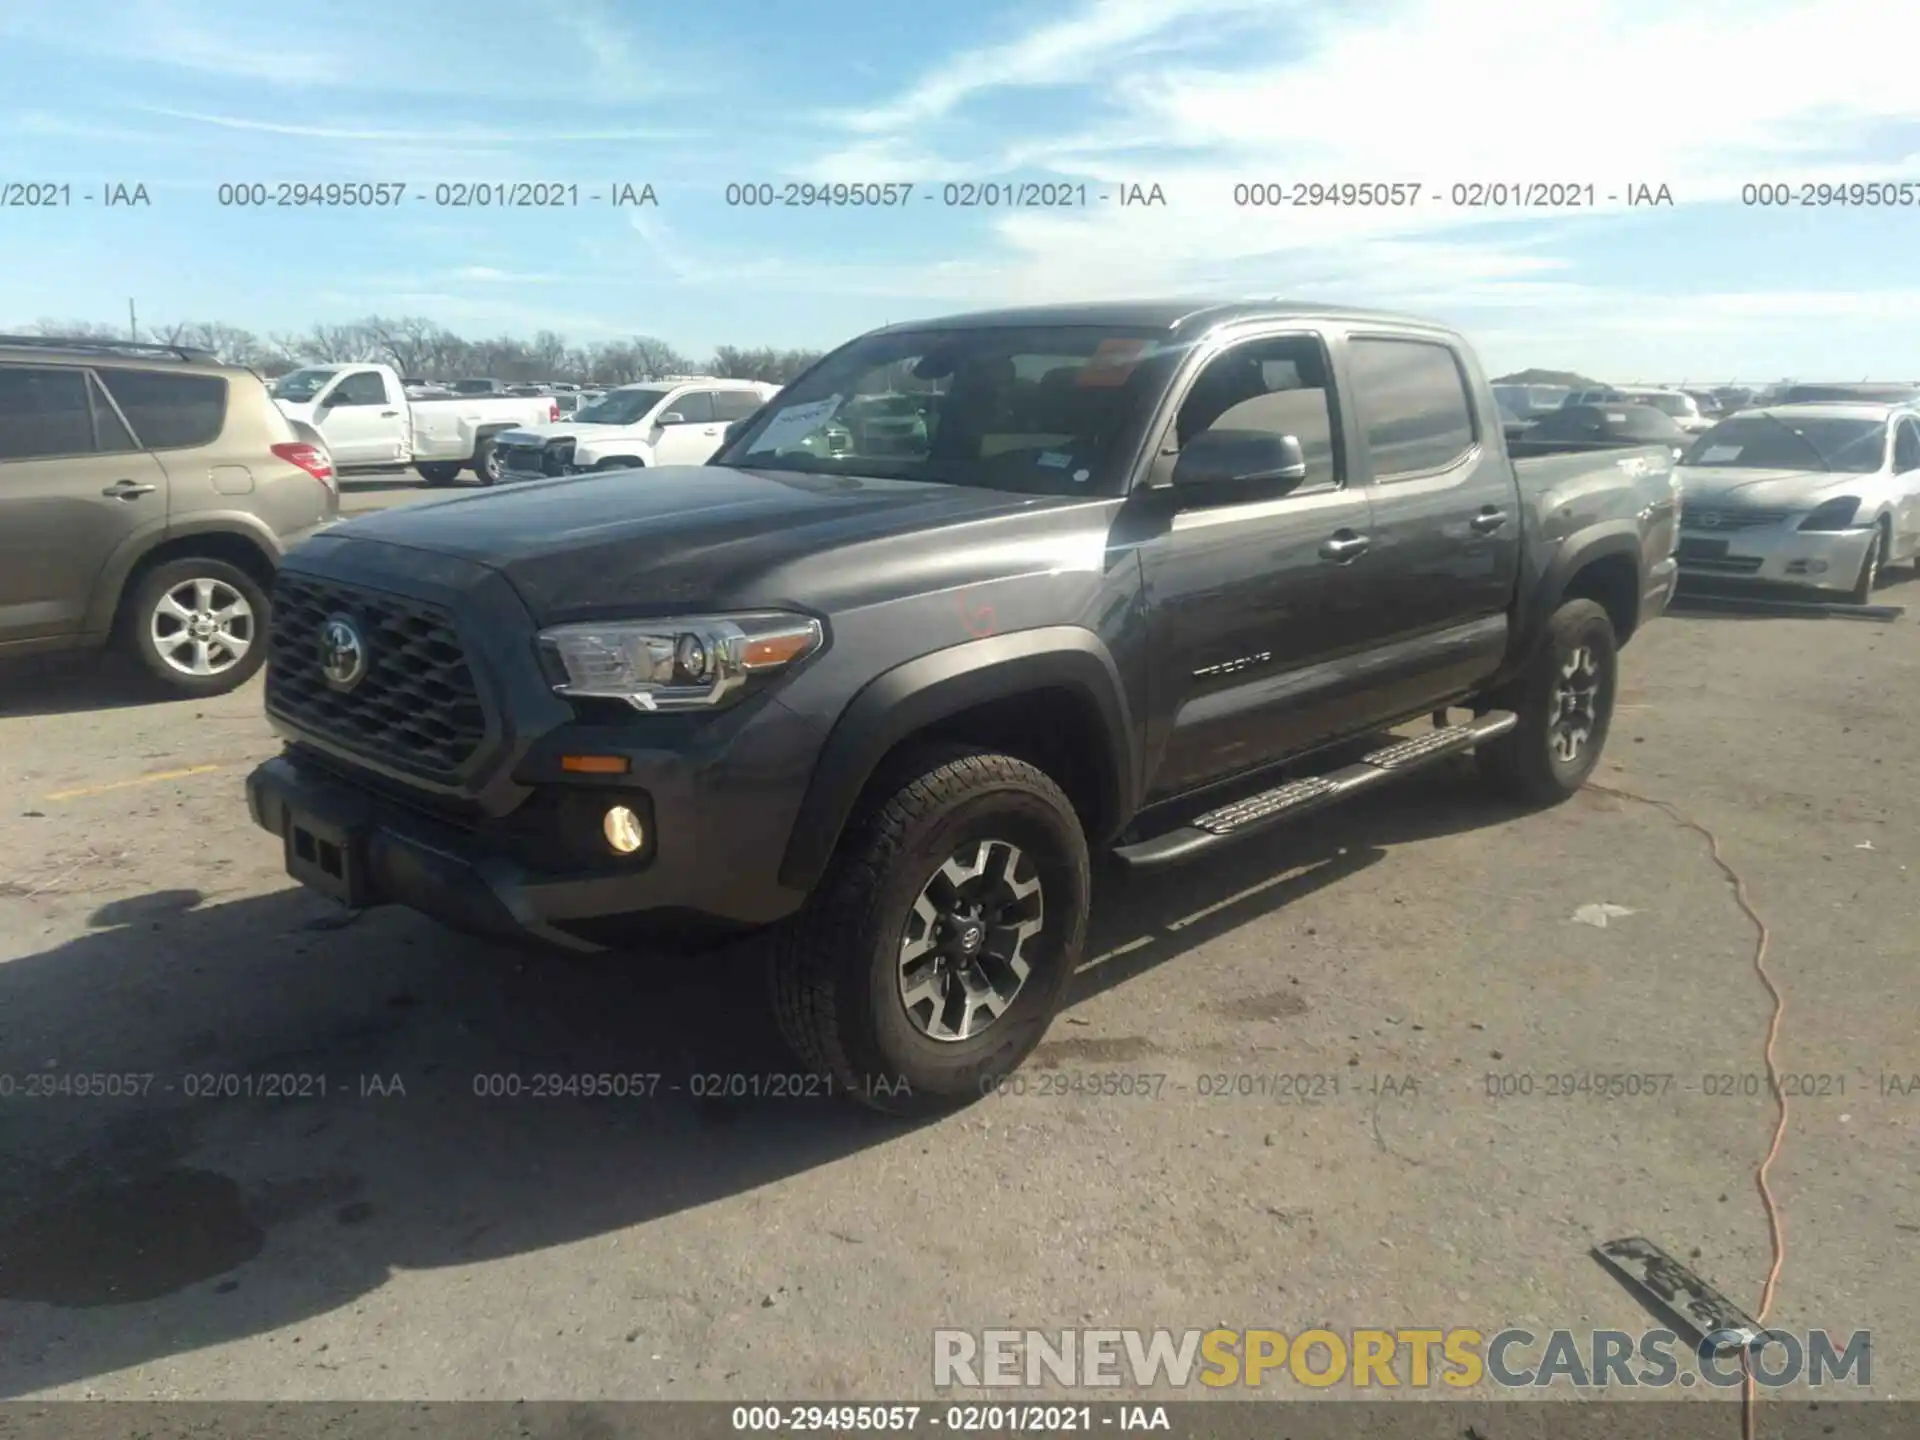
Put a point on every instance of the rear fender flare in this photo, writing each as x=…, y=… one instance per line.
x=920, y=693
x=1575, y=553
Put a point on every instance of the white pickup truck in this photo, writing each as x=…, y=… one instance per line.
x=368, y=422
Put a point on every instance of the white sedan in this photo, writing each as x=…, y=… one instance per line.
x=1817, y=496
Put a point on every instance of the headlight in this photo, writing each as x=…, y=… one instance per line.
x=685, y=662
x=1835, y=514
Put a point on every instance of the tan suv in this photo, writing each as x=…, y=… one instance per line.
x=147, y=493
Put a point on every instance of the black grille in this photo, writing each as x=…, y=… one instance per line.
x=416, y=706
x=552, y=458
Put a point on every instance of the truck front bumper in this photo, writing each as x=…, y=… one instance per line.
x=363, y=849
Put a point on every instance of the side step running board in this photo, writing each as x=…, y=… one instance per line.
x=1314, y=792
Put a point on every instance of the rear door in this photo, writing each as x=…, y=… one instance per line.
x=694, y=436
x=74, y=489
x=1254, y=606
x=1446, y=524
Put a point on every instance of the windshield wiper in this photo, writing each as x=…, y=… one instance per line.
x=1810, y=447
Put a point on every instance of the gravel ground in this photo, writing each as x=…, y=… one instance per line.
x=400, y=1236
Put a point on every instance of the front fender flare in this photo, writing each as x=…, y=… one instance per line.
x=921, y=692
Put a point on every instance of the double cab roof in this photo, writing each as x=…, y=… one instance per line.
x=1179, y=319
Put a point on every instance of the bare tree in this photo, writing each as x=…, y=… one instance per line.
x=78, y=330
x=412, y=343
x=232, y=344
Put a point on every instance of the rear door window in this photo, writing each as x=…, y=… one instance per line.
x=1413, y=404
x=169, y=411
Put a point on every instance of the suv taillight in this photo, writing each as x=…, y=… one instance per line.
x=309, y=459
x=553, y=412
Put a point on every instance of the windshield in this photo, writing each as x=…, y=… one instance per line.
x=1046, y=410
x=297, y=387
x=1681, y=407
x=1778, y=442
x=620, y=407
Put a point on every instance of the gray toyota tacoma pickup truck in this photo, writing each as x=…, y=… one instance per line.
x=1150, y=571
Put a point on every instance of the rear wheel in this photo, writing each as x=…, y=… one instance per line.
x=940, y=943
x=1565, y=703
x=438, y=472
x=486, y=462
x=198, y=627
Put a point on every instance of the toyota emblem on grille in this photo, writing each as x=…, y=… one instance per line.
x=1709, y=520
x=343, y=654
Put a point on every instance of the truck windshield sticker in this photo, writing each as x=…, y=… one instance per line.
x=794, y=423
x=1112, y=362
x=1054, y=460
x=1720, y=454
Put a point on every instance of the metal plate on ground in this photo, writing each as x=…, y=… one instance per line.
x=1656, y=1277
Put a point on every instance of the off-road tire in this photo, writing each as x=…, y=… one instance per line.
x=439, y=472
x=1522, y=764
x=136, y=637
x=836, y=965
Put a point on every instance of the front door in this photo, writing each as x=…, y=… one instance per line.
x=697, y=434
x=1906, y=471
x=74, y=488
x=363, y=425
x=1254, y=606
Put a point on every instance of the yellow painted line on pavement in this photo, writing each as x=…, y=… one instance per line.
x=154, y=779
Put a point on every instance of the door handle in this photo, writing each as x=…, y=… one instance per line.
x=1488, y=521
x=127, y=490
x=1342, y=546
x=388, y=414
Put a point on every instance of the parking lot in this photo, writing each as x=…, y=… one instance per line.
x=387, y=1232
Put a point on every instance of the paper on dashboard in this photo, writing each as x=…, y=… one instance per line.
x=794, y=423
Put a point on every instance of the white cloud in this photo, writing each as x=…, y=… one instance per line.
x=1702, y=97
x=1061, y=52
x=518, y=136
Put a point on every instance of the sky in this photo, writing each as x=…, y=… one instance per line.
x=1195, y=97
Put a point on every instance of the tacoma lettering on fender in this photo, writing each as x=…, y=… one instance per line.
x=967, y=602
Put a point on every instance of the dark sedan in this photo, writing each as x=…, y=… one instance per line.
x=1601, y=427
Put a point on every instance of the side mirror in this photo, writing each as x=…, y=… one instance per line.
x=672, y=417
x=1239, y=459
x=736, y=429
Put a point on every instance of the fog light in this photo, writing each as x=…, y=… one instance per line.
x=623, y=830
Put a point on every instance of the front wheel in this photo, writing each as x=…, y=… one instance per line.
x=940, y=943
x=1565, y=703
x=1868, y=580
x=197, y=626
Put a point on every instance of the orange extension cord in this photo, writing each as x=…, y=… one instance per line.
x=1748, y=1393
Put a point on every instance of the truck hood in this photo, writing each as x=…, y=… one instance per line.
x=689, y=537
x=302, y=412
x=1764, y=489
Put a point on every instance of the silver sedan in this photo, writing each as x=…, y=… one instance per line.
x=1821, y=496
